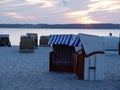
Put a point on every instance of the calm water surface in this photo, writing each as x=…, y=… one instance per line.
x=15, y=33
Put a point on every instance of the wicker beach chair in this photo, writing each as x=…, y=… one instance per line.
x=26, y=44
x=62, y=59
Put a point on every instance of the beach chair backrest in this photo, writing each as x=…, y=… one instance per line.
x=26, y=42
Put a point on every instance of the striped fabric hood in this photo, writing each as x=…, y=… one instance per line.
x=4, y=35
x=64, y=39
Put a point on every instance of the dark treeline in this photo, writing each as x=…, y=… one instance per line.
x=63, y=26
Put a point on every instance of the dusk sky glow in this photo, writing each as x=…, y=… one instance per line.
x=59, y=11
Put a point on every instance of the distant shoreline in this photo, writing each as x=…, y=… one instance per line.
x=62, y=26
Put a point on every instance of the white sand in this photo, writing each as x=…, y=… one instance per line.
x=29, y=71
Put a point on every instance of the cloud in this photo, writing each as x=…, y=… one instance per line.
x=33, y=1
x=85, y=16
x=105, y=5
x=81, y=17
x=17, y=16
x=45, y=3
x=77, y=13
x=4, y=1
x=86, y=19
x=14, y=4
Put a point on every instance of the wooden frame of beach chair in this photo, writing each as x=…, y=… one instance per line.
x=82, y=59
x=62, y=58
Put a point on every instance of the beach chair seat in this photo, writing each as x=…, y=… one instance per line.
x=61, y=58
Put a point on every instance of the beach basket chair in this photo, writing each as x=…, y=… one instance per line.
x=62, y=58
x=26, y=44
x=90, y=59
x=44, y=40
x=35, y=38
x=4, y=40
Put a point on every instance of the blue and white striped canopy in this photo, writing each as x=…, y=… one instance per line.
x=64, y=39
x=75, y=42
x=4, y=35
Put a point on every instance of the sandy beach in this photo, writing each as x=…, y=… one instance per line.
x=30, y=71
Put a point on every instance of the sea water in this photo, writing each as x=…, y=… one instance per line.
x=15, y=33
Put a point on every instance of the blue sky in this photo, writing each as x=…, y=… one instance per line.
x=59, y=11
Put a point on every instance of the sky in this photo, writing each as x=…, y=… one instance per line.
x=59, y=11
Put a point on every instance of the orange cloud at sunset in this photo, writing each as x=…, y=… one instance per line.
x=85, y=16
x=86, y=20
x=81, y=18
